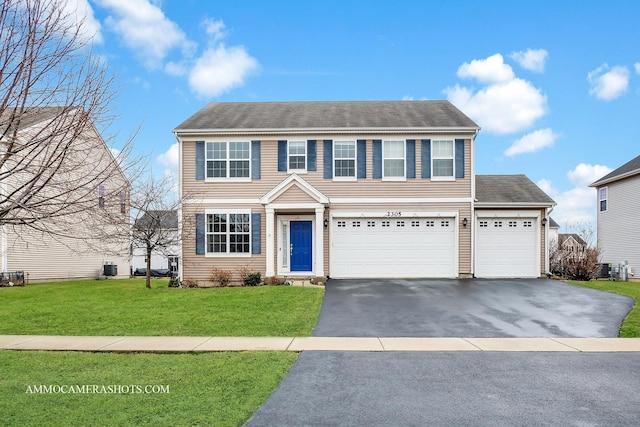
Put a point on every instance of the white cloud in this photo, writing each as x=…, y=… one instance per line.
x=608, y=84
x=79, y=14
x=145, y=29
x=578, y=204
x=532, y=142
x=531, y=59
x=220, y=69
x=585, y=174
x=637, y=67
x=489, y=70
x=214, y=28
x=170, y=161
x=501, y=108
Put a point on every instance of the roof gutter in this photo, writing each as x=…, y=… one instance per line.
x=326, y=131
x=496, y=205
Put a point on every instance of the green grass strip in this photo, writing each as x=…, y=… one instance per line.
x=221, y=389
x=126, y=307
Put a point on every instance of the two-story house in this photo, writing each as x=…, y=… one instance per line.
x=618, y=196
x=352, y=189
x=78, y=196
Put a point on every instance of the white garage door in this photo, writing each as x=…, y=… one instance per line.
x=507, y=247
x=398, y=247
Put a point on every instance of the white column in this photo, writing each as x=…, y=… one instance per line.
x=270, y=245
x=319, y=242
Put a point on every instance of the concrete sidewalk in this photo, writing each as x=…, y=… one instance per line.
x=212, y=344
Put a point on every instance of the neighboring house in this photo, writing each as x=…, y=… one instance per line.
x=352, y=189
x=162, y=258
x=72, y=249
x=554, y=229
x=571, y=243
x=618, y=195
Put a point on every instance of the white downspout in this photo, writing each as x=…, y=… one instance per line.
x=472, y=219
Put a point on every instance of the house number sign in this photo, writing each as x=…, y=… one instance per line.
x=393, y=214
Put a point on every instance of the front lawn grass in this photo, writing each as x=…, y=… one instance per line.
x=631, y=324
x=221, y=389
x=127, y=308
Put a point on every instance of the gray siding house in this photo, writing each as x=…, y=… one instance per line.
x=618, y=195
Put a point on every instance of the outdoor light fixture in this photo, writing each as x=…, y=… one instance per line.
x=465, y=222
x=326, y=223
x=544, y=221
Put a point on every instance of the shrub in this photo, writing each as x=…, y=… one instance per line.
x=190, y=282
x=220, y=276
x=174, y=282
x=276, y=281
x=253, y=279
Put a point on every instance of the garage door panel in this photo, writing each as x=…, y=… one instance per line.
x=418, y=247
x=507, y=247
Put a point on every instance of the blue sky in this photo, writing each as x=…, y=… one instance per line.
x=555, y=86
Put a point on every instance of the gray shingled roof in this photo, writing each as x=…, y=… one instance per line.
x=553, y=223
x=510, y=189
x=168, y=219
x=29, y=116
x=630, y=168
x=327, y=115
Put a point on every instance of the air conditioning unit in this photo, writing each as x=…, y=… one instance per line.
x=110, y=270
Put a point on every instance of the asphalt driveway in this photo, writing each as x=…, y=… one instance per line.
x=468, y=308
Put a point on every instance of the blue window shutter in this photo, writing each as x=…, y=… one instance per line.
x=459, y=158
x=311, y=155
x=199, y=160
x=200, y=234
x=328, y=159
x=411, y=158
x=377, y=158
x=255, y=233
x=255, y=159
x=282, y=156
x=362, y=158
x=426, y=158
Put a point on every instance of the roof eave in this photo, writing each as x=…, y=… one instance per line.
x=495, y=205
x=326, y=131
x=602, y=182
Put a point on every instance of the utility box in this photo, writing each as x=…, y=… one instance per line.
x=110, y=270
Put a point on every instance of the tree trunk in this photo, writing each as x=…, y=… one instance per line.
x=148, y=277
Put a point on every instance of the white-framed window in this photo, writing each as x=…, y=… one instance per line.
x=227, y=159
x=228, y=233
x=344, y=159
x=603, y=198
x=297, y=155
x=442, y=158
x=393, y=159
x=101, y=194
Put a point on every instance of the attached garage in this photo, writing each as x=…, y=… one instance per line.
x=507, y=246
x=417, y=246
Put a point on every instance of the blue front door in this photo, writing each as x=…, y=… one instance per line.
x=300, y=250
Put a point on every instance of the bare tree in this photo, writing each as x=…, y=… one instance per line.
x=156, y=227
x=55, y=93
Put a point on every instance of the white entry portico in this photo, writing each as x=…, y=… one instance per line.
x=294, y=228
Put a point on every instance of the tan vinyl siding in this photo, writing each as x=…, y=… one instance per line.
x=366, y=188
x=199, y=267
